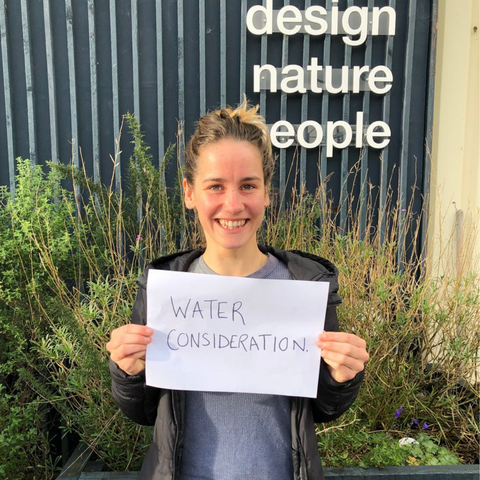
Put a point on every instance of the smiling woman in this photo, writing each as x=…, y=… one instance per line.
x=229, y=195
x=220, y=435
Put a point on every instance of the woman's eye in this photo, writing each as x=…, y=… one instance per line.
x=215, y=187
x=248, y=186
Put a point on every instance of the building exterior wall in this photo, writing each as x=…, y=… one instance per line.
x=69, y=71
x=454, y=239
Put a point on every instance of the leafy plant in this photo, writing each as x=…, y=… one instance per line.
x=70, y=260
x=362, y=448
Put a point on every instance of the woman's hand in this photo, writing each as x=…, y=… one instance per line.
x=128, y=345
x=344, y=353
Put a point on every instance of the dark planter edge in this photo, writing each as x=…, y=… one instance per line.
x=422, y=472
x=79, y=460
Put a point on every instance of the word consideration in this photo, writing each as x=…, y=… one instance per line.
x=264, y=342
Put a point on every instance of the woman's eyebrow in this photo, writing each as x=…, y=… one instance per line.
x=220, y=180
x=250, y=179
x=213, y=179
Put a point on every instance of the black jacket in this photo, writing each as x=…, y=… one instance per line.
x=165, y=408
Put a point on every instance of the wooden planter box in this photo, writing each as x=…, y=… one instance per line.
x=427, y=472
x=79, y=467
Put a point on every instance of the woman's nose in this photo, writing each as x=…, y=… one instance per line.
x=233, y=201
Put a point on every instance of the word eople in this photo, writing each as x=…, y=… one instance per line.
x=339, y=134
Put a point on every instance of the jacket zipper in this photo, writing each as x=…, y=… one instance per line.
x=176, y=420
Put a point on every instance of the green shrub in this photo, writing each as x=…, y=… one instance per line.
x=24, y=445
x=69, y=266
x=421, y=327
x=380, y=449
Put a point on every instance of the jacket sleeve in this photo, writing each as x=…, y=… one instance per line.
x=333, y=398
x=136, y=400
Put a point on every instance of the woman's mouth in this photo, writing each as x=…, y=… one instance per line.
x=232, y=224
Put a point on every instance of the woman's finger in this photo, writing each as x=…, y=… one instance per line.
x=128, y=339
x=338, y=359
x=343, y=337
x=345, y=349
x=123, y=351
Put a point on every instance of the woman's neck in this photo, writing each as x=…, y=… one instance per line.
x=234, y=263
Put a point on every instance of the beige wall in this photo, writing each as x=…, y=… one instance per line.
x=455, y=180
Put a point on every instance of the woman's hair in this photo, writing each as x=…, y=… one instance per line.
x=243, y=123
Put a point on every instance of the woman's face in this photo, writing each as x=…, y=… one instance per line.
x=229, y=194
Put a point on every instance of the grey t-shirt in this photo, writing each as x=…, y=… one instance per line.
x=238, y=436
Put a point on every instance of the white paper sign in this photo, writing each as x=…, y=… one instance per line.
x=234, y=334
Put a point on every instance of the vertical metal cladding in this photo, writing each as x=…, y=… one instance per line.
x=8, y=137
x=160, y=88
x=263, y=60
x=114, y=142
x=243, y=50
x=27, y=51
x=304, y=114
x=344, y=163
x=384, y=158
x=364, y=153
x=52, y=94
x=136, y=61
x=223, y=53
x=181, y=71
x=403, y=199
x=219, y=68
x=429, y=126
x=203, y=58
x=283, y=114
x=325, y=99
x=94, y=90
x=72, y=82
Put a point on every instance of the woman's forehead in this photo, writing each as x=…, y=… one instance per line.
x=230, y=153
x=229, y=144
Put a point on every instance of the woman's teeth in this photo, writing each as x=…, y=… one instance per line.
x=232, y=224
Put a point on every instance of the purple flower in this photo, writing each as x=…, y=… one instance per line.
x=399, y=411
x=139, y=238
x=414, y=421
x=404, y=209
x=425, y=426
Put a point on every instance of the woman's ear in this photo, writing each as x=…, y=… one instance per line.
x=266, y=201
x=188, y=190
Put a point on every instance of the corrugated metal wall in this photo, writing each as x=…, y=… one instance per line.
x=71, y=69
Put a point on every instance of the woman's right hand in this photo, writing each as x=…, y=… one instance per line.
x=128, y=345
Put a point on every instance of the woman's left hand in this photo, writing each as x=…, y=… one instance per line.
x=344, y=353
